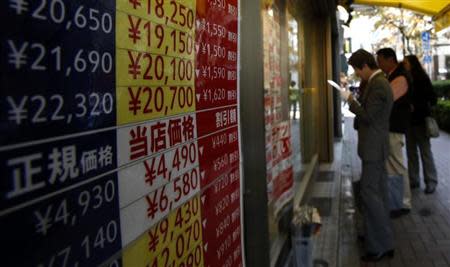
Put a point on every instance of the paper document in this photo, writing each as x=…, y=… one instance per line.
x=335, y=85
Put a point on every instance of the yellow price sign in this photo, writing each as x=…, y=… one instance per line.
x=172, y=236
x=135, y=68
x=194, y=257
x=185, y=248
x=140, y=103
x=143, y=35
x=179, y=15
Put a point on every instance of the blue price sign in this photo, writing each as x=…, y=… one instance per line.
x=38, y=170
x=77, y=228
x=57, y=68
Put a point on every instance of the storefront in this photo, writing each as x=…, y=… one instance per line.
x=157, y=132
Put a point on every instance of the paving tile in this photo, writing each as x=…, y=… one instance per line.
x=396, y=262
x=419, y=263
x=418, y=246
x=407, y=255
x=422, y=238
x=383, y=263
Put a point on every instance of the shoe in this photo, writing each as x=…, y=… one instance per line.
x=361, y=238
x=373, y=257
x=405, y=211
x=429, y=189
x=398, y=213
x=414, y=185
x=394, y=214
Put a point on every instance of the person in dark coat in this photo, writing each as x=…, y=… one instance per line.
x=372, y=123
x=423, y=98
x=401, y=84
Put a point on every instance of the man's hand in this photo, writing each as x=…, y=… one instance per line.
x=345, y=95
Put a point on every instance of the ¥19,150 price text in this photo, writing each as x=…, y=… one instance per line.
x=37, y=109
x=156, y=37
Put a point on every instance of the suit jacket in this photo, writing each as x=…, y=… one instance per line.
x=372, y=119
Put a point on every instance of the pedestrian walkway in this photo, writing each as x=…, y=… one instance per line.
x=422, y=238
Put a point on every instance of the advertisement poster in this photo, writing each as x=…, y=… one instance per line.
x=119, y=139
x=279, y=169
x=278, y=132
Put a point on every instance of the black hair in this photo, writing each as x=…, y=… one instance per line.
x=387, y=53
x=361, y=57
x=416, y=68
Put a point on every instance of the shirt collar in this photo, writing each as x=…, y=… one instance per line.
x=392, y=71
x=374, y=74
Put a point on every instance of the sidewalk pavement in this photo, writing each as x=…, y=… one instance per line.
x=422, y=238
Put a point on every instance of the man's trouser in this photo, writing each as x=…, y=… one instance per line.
x=375, y=210
x=395, y=165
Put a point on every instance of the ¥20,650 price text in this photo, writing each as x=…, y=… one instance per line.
x=58, y=12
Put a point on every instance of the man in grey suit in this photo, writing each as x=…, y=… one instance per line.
x=372, y=123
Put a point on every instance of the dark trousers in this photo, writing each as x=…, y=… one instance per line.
x=416, y=138
x=375, y=207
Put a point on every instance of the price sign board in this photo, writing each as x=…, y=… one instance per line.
x=119, y=139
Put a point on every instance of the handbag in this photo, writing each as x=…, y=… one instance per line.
x=431, y=127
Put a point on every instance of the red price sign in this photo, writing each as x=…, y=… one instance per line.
x=215, y=120
x=221, y=206
x=221, y=221
x=218, y=153
x=213, y=96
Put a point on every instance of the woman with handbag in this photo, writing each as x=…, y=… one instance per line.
x=419, y=133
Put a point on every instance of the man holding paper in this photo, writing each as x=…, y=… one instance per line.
x=372, y=123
